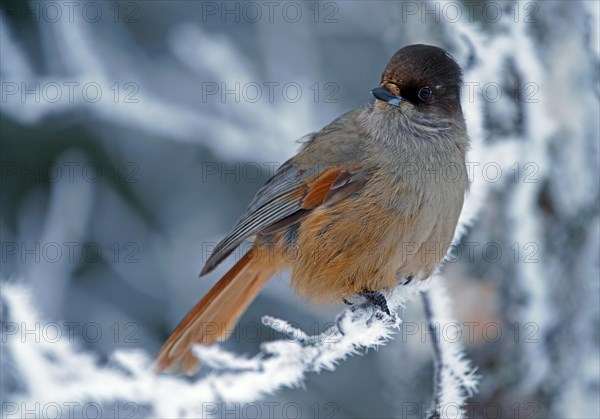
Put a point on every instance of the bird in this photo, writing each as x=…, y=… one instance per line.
x=368, y=202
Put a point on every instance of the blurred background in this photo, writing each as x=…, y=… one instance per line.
x=133, y=133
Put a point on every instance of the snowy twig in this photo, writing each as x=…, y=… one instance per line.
x=282, y=363
x=454, y=377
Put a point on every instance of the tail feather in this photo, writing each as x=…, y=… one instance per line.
x=216, y=314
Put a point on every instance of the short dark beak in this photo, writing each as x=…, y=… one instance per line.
x=385, y=95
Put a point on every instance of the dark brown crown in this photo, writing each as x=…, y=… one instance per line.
x=417, y=66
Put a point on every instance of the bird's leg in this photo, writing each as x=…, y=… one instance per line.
x=371, y=298
x=377, y=298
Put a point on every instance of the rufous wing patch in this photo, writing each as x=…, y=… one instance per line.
x=334, y=185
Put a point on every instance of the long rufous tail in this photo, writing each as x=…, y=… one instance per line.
x=216, y=314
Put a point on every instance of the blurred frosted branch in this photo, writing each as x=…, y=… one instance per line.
x=568, y=59
x=66, y=221
x=232, y=132
x=454, y=377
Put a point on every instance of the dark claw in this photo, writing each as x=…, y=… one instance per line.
x=378, y=299
x=348, y=303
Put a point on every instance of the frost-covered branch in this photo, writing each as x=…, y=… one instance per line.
x=233, y=133
x=282, y=363
x=454, y=377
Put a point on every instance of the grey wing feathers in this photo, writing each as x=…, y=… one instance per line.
x=280, y=197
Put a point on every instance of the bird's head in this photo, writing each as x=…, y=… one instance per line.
x=420, y=78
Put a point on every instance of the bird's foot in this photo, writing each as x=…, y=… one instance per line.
x=376, y=298
x=373, y=297
x=374, y=307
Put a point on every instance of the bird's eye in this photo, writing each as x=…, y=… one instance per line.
x=424, y=93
